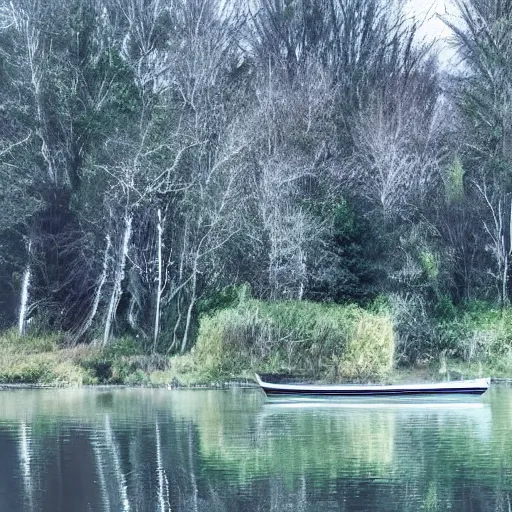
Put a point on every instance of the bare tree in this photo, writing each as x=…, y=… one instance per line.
x=483, y=95
x=499, y=231
x=397, y=153
x=294, y=139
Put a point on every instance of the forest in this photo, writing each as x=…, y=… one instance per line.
x=159, y=158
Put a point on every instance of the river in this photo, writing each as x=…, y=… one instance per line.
x=122, y=450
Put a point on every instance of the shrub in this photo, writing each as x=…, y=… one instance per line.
x=417, y=334
x=371, y=348
x=39, y=360
x=298, y=337
x=480, y=332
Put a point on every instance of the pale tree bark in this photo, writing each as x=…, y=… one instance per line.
x=499, y=231
x=191, y=303
x=86, y=325
x=119, y=274
x=25, y=295
x=159, y=285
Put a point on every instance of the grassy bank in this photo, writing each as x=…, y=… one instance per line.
x=321, y=341
x=42, y=360
x=348, y=343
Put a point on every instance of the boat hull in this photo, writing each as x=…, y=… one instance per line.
x=469, y=387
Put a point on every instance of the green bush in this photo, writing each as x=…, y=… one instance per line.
x=370, y=350
x=301, y=337
x=11, y=341
x=417, y=330
x=122, y=347
x=480, y=332
x=228, y=297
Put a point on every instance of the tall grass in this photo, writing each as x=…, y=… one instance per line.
x=481, y=333
x=42, y=360
x=37, y=360
x=321, y=340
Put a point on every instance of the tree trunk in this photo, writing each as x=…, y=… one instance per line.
x=184, y=341
x=118, y=280
x=159, y=281
x=25, y=295
x=97, y=297
x=24, y=300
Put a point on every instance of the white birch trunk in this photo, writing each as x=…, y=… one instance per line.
x=118, y=279
x=177, y=292
x=191, y=304
x=25, y=295
x=131, y=316
x=25, y=459
x=504, y=279
x=25, y=286
x=94, y=309
x=159, y=281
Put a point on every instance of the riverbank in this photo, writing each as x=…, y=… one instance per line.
x=301, y=339
x=40, y=362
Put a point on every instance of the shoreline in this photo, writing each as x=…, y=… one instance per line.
x=41, y=363
x=215, y=385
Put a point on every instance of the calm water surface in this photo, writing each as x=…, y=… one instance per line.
x=159, y=450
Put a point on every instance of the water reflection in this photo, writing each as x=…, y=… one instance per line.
x=24, y=437
x=159, y=450
x=101, y=472
x=163, y=483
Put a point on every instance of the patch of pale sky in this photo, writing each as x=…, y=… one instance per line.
x=430, y=14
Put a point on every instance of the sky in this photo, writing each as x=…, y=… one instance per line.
x=433, y=28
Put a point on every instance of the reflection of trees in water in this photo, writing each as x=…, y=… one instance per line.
x=142, y=469
x=25, y=455
x=163, y=483
x=203, y=456
x=100, y=465
x=120, y=477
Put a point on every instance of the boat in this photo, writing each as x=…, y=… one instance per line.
x=466, y=387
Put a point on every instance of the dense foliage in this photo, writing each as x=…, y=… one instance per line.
x=154, y=154
x=297, y=337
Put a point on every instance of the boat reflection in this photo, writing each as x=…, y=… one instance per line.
x=448, y=402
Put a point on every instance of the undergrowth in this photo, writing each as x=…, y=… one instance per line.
x=320, y=340
x=300, y=338
x=41, y=360
x=480, y=334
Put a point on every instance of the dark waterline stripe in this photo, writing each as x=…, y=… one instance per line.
x=441, y=391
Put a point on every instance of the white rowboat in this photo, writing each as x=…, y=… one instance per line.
x=472, y=387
